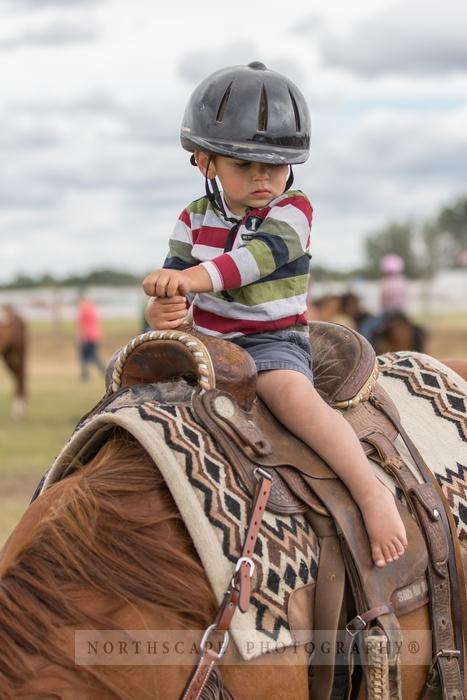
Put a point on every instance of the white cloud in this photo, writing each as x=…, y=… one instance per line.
x=51, y=35
x=39, y=5
x=408, y=38
x=198, y=64
x=92, y=172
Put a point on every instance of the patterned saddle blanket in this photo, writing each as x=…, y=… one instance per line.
x=432, y=402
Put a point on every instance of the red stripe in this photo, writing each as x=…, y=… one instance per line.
x=228, y=270
x=211, y=236
x=220, y=324
x=301, y=203
x=185, y=217
x=262, y=213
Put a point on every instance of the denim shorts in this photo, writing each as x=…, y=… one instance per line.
x=279, y=350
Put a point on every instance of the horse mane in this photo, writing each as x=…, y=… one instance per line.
x=98, y=538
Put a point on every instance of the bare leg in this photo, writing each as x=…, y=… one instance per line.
x=328, y=433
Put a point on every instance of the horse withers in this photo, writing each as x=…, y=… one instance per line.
x=13, y=342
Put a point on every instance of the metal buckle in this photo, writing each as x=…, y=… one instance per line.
x=258, y=472
x=237, y=569
x=225, y=641
x=361, y=624
x=247, y=560
x=445, y=653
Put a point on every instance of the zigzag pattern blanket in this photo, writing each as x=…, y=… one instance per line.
x=432, y=402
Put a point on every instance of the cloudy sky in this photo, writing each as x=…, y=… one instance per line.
x=92, y=93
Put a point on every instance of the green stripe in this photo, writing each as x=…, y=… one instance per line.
x=295, y=193
x=199, y=206
x=263, y=256
x=273, y=290
x=286, y=233
x=182, y=250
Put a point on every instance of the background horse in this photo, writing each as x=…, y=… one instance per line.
x=389, y=332
x=13, y=341
x=106, y=549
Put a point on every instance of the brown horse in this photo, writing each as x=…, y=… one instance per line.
x=389, y=332
x=106, y=549
x=459, y=366
x=13, y=341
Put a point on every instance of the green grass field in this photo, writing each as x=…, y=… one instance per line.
x=58, y=399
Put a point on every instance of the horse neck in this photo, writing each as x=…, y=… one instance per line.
x=71, y=564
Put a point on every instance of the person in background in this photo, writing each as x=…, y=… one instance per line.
x=89, y=336
x=393, y=294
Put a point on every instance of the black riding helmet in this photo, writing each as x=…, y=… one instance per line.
x=248, y=112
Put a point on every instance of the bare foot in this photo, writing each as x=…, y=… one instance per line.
x=383, y=523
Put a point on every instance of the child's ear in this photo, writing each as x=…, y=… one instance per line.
x=202, y=160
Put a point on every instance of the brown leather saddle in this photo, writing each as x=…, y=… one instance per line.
x=345, y=372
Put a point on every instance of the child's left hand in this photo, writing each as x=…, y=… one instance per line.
x=163, y=313
x=167, y=283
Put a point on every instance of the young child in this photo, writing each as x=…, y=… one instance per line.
x=241, y=256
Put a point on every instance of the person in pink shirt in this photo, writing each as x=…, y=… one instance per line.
x=89, y=336
x=393, y=295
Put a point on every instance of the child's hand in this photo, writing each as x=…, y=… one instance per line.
x=166, y=313
x=166, y=283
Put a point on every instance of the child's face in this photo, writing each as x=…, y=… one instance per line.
x=247, y=184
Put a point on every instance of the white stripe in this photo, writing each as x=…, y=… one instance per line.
x=207, y=219
x=205, y=252
x=246, y=265
x=209, y=331
x=295, y=218
x=213, y=273
x=182, y=232
x=243, y=260
x=276, y=309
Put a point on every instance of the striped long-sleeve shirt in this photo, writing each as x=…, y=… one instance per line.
x=260, y=278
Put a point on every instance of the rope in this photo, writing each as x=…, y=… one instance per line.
x=199, y=352
x=378, y=667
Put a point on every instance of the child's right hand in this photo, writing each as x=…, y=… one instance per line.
x=166, y=283
x=163, y=313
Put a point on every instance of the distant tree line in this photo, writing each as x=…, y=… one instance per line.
x=103, y=277
x=426, y=247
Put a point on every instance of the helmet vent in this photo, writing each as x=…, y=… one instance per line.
x=263, y=111
x=296, y=112
x=223, y=104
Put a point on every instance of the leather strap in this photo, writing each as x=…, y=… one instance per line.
x=383, y=614
x=445, y=672
x=205, y=667
x=236, y=596
x=329, y=591
x=445, y=576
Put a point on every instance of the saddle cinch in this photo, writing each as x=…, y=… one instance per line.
x=345, y=372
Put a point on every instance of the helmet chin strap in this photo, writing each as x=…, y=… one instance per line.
x=214, y=196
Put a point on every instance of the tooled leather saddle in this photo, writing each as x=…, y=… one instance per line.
x=345, y=372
